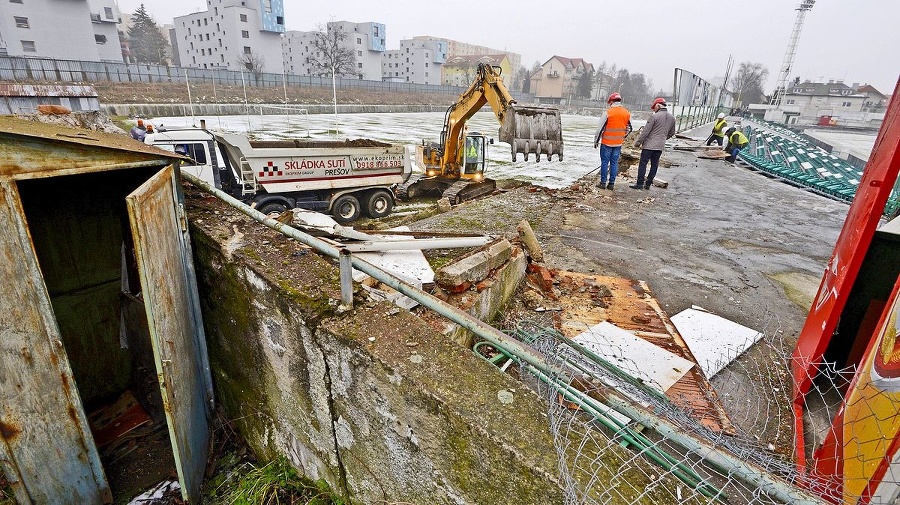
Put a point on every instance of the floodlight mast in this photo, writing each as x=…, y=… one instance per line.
x=787, y=63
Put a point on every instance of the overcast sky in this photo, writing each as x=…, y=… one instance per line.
x=852, y=40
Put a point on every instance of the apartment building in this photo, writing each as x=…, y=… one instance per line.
x=233, y=35
x=367, y=41
x=298, y=50
x=417, y=61
x=32, y=28
x=461, y=70
x=457, y=48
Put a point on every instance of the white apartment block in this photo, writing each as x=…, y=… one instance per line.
x=298, y=50
x=233, y=35
x=32, y=28
x=367, y=40
x=106, y=18
x=456, y=48
x=417, y=61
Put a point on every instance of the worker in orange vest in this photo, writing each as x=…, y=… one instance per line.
x=615, y=124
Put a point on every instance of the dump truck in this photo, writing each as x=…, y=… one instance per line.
x=344, y=178
x=455, y=164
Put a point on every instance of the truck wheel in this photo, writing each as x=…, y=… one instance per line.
x=273, y=207
x=379, y=204
x=346, y=209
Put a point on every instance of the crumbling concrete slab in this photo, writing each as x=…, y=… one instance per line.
x=474, y=267
x=586, y=300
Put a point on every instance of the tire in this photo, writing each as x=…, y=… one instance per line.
x=345, y=209
x=270, y=207
x=379, y=204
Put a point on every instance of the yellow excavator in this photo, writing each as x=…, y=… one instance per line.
x=455, y=165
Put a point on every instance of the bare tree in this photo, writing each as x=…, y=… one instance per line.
x=748, y=84
x=254, y=63
x=332, y=55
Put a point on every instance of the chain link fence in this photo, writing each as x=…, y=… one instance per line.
x=621, y=439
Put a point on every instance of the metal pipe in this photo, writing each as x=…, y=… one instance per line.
x=728, y=463
x=346, y=278
x=417, y=244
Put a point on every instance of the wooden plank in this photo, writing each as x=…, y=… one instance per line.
x=176, y=335
x=46, y=449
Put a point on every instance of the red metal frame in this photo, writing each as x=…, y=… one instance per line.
x=856, y=236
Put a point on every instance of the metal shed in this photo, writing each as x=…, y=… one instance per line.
x=99, y=298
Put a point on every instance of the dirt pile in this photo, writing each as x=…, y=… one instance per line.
x=91, y=120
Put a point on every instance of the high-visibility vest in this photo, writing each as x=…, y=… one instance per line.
x=738, y=139
x=719, y=128
x=616, y=126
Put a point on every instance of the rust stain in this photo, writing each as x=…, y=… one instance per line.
x=26, y=355
x=9, y=431
x=65, y=383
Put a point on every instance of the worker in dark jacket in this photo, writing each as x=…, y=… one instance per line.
x=718, y=132
x=659, y=128
x=138, y=131
x=736, y=141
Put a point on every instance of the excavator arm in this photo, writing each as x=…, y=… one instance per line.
x=528, y=129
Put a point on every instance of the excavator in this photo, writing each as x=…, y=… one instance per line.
x=455, y=165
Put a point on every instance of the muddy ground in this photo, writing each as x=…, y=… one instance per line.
x=740, y=244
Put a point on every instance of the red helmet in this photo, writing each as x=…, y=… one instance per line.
x=659, y=102
x=615, y=97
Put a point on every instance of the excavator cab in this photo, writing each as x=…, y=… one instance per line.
x=474, y=151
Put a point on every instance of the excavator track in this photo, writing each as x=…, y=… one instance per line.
x=462, y=190
x=402, y=191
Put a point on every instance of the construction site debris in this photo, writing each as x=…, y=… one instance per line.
x=53, y=109
x=713, y=340
x=529, y=240
x=444, y=205
x=713, y=154
x=474, y=267
x=586, y=300
x=649, y=363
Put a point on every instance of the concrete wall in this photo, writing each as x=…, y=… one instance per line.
x=373, y=401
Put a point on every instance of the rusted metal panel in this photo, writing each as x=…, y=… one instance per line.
x=176, y=335
x=46, y=449
x=29, y=149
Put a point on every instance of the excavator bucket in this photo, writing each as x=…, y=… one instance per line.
x=533, y=129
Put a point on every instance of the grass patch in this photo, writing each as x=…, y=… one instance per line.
x=274, y=483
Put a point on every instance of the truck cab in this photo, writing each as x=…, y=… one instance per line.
x=200, y=146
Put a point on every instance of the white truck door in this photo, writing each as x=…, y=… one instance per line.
x=169, y=288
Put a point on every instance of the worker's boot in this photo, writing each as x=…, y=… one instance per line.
x=648, y=184
x=637, y=185
x=611, y=186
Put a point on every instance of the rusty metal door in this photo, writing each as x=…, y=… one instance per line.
x=46, y=449
x=159, y=228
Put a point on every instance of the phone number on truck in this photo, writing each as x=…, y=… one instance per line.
x=379, y=164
